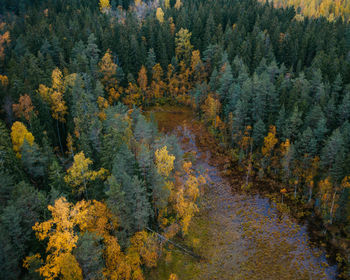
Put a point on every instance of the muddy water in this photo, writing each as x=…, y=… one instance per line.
x=239, y=236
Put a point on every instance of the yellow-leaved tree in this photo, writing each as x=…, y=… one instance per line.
x=184, y=196
x=167, y=4
x=160, y=15
x=178, y=4
x=108, y=70
x=164, y=161
x=79, y=174
x=267, y=150
x=59, y=230
x=104, y=6
x=19, y=133
x=54, y=97
x=184, y=47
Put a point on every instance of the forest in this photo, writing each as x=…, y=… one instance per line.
x=86, y=179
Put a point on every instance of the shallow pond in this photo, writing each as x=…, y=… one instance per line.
x=239, y=236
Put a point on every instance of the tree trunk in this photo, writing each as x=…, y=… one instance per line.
x=59, y=137
x=332, y=206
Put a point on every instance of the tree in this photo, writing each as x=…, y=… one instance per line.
x=19, y=134
x=150, y=60
x=62, y=240
x=184, y=195
x=108, y=70
x=89, y=254
x=5, y=39
x=79, y=174
x=54, y=97
x=164, y=161
x=270, y=142
x=183, y=45
x=160, y=15
x=58, y=105
x=142, y=80
x=167, y=4
x=197, y=67
x=33, y=159
x=178, y=4
x=24, y=108
x=211, y=109
x=259, y=130
x=104, y=6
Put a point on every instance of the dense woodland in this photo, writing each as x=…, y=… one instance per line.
x=84, y=175
x=330, y=9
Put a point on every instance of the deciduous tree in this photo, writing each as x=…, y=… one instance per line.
x=19, y=134
x=79, y=174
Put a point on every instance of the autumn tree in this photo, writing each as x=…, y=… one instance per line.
x=270, y=142
x=142, y=81
x=164, y=161
x=102, y=106
x=184, y=195
x=104, y=6
x=167, y=4
x=4, y=81
x=197, y=67
x=133, y=95
x=5, y=40
x=54, y=97
x=178, y=4
x=19, y=134
x=60, y=261
x=24, y=108
x=157, y=86
x=160, y=15
x=79, y=174
x=183, y=45
x=108, y=70
x=211, y=109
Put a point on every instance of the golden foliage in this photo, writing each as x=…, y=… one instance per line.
x=146, y=246
x=183, y=45
x=102, y=105
x=79, y=174
x=107, y=67
x=197, y=67
x=178, y=4
x=160, y=15
x=167, y=4
x=211, y=108
x=184, y=195
x=45, y=93
x=270, y=142
x=173, y=276
x=19, y=133
x=164, y=161
x=4, y=40
x=54, y=95
x=108, y=70
x=4, y=81
x=104, y=6
x=62, y=239
x=142, y=79
x=70, y=144
x=133, y=95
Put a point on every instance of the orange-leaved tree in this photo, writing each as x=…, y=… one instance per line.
x=24, y=108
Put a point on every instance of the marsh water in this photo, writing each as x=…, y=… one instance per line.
x=239, y=236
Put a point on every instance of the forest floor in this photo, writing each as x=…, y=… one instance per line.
x=239, y=236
